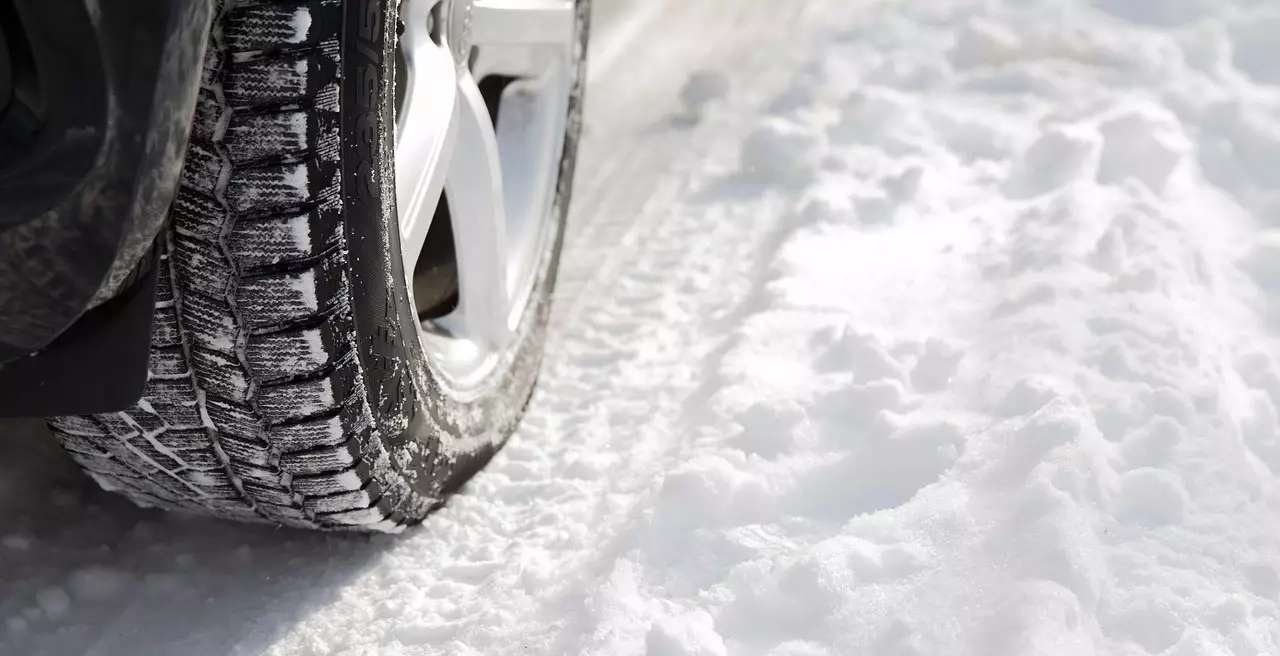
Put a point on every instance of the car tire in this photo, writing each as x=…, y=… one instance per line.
x=287, y=383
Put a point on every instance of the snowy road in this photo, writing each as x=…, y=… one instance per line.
x=898, y=329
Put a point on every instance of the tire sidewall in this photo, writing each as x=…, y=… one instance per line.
x=435, y=440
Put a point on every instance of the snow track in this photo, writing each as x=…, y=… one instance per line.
x=902, y=329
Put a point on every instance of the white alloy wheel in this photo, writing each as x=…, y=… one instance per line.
x=493, y=154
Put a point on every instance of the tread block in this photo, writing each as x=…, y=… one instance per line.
x=294, y=401
x=168, y=390
x=167, y=361
x=247, y=472
x=179, y=415
x=198, y=215
x=164, y=327
x=183, y=439
x=202, y=169
x=210, y=483
x=149, y=454
x=267, y=493
x=300, y=352
x=143, y=421
x=252, y=136
x=279, y=185
x=200, y=268
x=349, y=480
x=200, y=459
x=80, y=444
x=231, y=508
x=232, y=420
x=322, y=459
x=164, y=491
x=77, y=425
x=327, y=99
x=272, y=300
x=161, y=392
x=209, y=323
x=267, y=26
x=164, y=283
x=246, y=452
x=359, y=499
x=286, y=515
x=205, y=121
x=220, y=492
x=116, y=424
x=128, y=458
x=211, y=70
x=362, y=517
x=289, y=238
x=279, y=80
x=327, y=431
x=220, y=375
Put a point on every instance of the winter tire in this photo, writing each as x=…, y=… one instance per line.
x=345, y=331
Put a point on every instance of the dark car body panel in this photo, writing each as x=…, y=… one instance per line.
x=81, y=209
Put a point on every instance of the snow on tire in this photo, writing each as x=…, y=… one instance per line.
x=287, y=384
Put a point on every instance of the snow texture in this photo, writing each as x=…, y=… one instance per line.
x=900, y=329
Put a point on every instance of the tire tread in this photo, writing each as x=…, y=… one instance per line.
x=255, y=407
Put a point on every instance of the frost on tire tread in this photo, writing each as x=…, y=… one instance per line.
x=255, y=406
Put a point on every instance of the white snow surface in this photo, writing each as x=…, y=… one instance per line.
x=944, y=327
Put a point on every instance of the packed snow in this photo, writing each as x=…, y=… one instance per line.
x=946, y=327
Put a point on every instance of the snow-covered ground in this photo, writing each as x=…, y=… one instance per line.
x=943, y=327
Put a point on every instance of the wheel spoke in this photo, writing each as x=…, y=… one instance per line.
x=447, y=142
x=475, y=191
x=426, y=131
x=523, y=22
